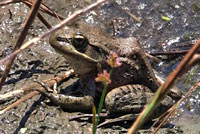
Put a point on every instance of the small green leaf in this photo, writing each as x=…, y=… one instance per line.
x=165, y=18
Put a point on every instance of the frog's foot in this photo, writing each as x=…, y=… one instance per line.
x=72, y=103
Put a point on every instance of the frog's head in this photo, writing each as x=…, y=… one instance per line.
x=80, y=55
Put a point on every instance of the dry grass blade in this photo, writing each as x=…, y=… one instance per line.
x=29, y=4
x=45, y=9
x=42, y=19
x=24, y=98
x=172, y=109
x=6, y=2
x=129, y=13
x=133, y=16
x=9, y=95
x=21, y=38
x=182, y=52
x=192, y=58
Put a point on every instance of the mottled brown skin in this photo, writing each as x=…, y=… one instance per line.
x=135, y=68
x=87, y=58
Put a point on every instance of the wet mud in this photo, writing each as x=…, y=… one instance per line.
x=40, y=62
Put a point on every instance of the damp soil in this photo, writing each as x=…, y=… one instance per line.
x=41, y=62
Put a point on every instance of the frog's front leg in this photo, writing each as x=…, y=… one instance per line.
x=75, y=103
x=71, y=103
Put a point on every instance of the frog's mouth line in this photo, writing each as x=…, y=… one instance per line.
x=62, y=39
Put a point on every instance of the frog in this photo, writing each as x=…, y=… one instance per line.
x=86, y=47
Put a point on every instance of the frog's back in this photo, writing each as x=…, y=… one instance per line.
x=135, y=66
x=99, y=38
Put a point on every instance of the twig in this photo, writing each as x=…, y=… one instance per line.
x=6, y=2
x=133, y=16
x=129, y=13
x=9, y=95
x=181, y=52
x=152, y=57
x=24, y=98
x=29, y=4
x=45, y=9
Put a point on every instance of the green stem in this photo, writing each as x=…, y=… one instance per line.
x=101, y=104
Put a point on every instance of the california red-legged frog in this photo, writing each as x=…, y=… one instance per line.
x=86, y=49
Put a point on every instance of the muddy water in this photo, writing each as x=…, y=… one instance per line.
x=41, y=62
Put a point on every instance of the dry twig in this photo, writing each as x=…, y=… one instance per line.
x=6, y=2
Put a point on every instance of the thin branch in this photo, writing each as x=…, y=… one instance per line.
x=6, y=2
x=181, y=52
x=43, y=7
x=24, y=98
x=46, y=9
x=41, y=18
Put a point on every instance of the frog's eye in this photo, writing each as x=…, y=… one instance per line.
x=79, y=39
x=80, y=42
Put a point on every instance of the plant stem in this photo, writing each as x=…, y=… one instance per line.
x=101, y=104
